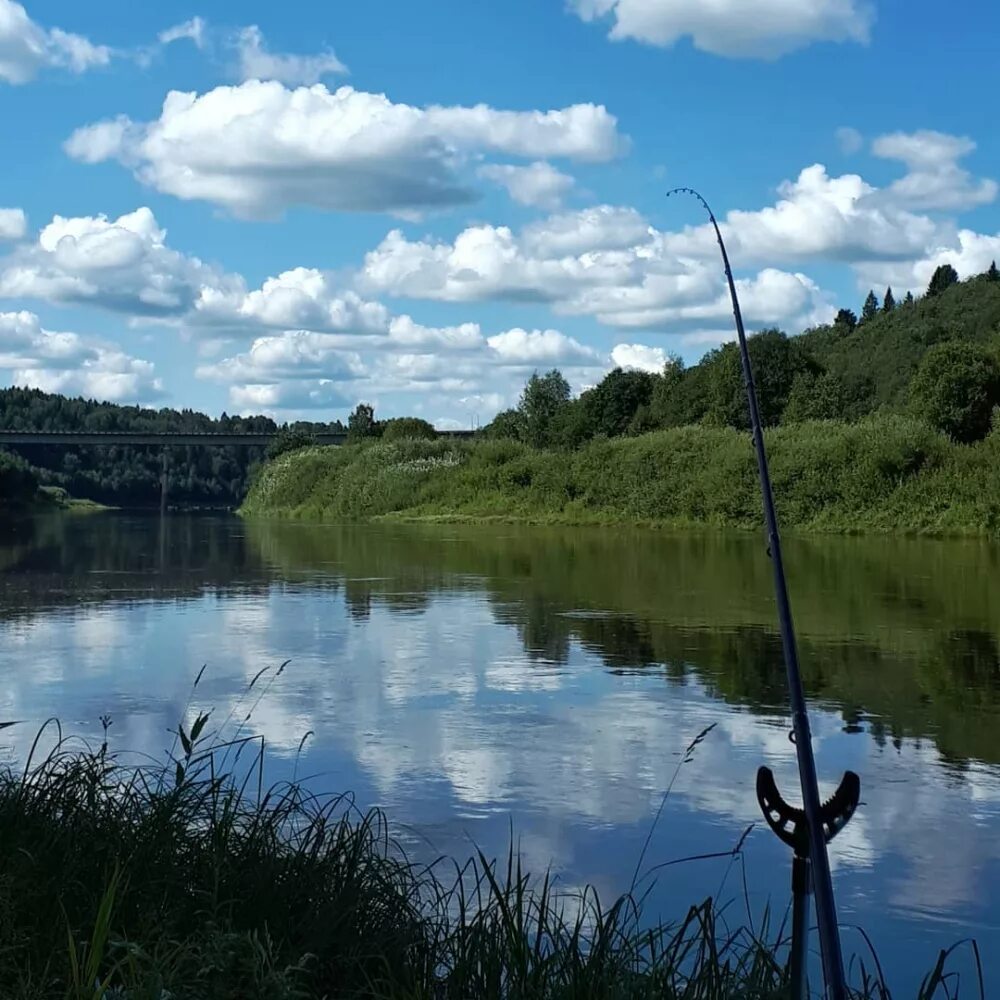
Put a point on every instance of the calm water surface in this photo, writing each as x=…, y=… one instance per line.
x=470, y=680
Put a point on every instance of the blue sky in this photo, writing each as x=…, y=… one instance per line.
x=289, y=209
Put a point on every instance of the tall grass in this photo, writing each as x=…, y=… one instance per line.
x=886, y=473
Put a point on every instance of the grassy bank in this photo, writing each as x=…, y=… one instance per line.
x=124, y=880
x=883, y=474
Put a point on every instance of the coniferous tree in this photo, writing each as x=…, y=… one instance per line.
x=993, y=274
x=944, y=277
x=846, y=319
x=870, y=308
x=908, y=301
x=889, y=302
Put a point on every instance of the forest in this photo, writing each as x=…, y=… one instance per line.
x=936, y=358
x=198, y=476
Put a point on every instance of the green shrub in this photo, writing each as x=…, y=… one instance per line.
x=956, y=388
x=407, y=427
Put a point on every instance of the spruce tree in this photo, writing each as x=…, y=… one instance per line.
x=870, y=308
x=993, y=274
x=908, y=301
x=944, y=277
x=889, y=303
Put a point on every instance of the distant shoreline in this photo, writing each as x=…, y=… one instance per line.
x=885, y=475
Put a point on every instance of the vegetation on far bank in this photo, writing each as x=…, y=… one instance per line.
x=189, y=879
x=883, y=474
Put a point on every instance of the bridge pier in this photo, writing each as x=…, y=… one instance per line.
x=163, y=482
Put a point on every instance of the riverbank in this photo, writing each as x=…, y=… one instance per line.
x=141, y=880
x=885, y=474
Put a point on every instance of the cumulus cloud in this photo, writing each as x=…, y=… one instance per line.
x=13, y=223
x=258, y=148
x=817, y=216
x=257, y=63
x=970, y=253
x=288, y=396
x=194, y=30
x=69, y=363
x=125, y=265
x=935, y=179
x=302, y=298
x=122, y=264
x=538, y=184
x=535, y=347
x=293, y=354
x=283, y=369
x=639, y=356
x=646, y=284
x=762, y=28
x=26, y=47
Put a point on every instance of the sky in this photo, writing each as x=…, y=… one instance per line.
x=289, y=209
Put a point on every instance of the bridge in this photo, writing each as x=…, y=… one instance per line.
x=140, y=438
x=152, y=438
x=170, y=439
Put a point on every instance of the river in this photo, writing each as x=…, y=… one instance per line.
x=477, y=680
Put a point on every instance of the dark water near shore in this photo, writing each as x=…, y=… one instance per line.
x=474, y=679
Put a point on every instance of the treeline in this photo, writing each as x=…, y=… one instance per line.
x=129, y=476
x=936, y=358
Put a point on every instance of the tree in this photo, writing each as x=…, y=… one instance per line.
x=613, y=402
x=992, y=273
x=361, y=423
x=870, y=309
x=399, y=428
x=889, y=302
x=506, y=425
x=18, y=484
x=955, y=389
x=846, y=320
x=288, y=439
x=908, y=301
x=775, y=359
x=943, y=278
x=815, y=397
x=542, y=399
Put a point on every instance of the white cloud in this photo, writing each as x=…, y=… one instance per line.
x=524, y=347
x=935, y=180
x=259, y=147
x=538, y=184
x=601, y=227
x=288, y=396
x=125, y=265
x=970, y=253
x=639, y=356
x=300, y=298
x=817, y=216
x=765, y=28
x=256, y=63
x=13, y=223
x=850, y=140
x=122, y=264
x=285, y=370
x=647, y=284
x=194, y=30
x=26, y=47
x=293, y=354
x=70, y=363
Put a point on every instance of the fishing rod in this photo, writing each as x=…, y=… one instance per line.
x=815, y=824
